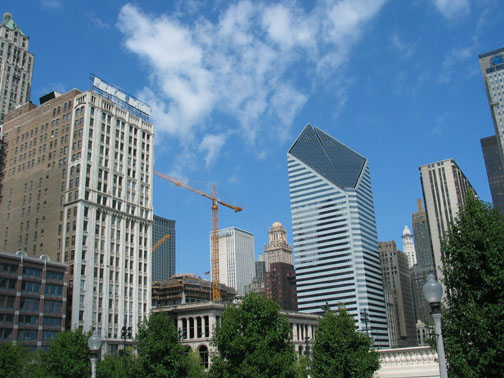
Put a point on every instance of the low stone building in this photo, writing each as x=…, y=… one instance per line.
x=196, y=322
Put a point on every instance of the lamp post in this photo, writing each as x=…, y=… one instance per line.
x=307, y=354
x=433, y=293
x=94, y=343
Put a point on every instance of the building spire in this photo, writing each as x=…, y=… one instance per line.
x=419, y=205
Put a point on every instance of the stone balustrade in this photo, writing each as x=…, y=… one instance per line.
x=412, y=362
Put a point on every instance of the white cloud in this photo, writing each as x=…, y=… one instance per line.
x=453, y=57
x=211, y=146
x=452, y=9
x=405, y=49
x=51, y=4
x=249, y=64
x=97, y=21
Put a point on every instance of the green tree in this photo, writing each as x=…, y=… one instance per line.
x=115, y=366
x=473, y=319
x=253, y=340
x=13, y=360
x=301, y=367
x=159, y=351
x=339, y=350
x=68, y=356
x=195, y=369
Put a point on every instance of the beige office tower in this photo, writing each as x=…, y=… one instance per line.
x=16, y=67
x=444, y=188
x=277, y=250
x=396, y=280
x=78, y=187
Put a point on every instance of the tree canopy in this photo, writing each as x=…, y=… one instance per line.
x=68, y=356
x=15, y=361
x=473, y=267
x=159, y=352
x=253, y=340
x=339, y=350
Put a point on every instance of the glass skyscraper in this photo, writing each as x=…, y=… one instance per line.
x=163, y=258
x=334, y=229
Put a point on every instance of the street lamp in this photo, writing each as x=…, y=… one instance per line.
x=433, y=293
x=307, y=354
x=94, y=343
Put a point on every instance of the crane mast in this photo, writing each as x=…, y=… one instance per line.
x=214, y=239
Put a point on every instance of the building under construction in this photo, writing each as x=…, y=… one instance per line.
x=187, y=288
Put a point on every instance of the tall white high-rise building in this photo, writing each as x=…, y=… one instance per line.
x=408, y=246
x=236, y=258
x=444, y=188
x=78, y=187
x=16, y=66
x=492, y=69
x=334, y=229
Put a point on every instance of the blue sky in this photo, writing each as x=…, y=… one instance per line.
x=232, y=84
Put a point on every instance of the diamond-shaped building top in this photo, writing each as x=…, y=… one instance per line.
x=329, y=157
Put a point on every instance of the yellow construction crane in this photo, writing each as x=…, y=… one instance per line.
x=215, y=227
x=160, y=241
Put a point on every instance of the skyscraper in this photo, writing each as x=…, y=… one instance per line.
x=280, y=285
x=260, y=269
x=78, y=187
x=396, y=278
x=16, y=67
x=277, y=250
x=425, y=263
x=408, y=246
x=495, y=170
x=421, y=237
x=236, y=259
x=280, y=277
x=492, y=69
x=163, y=258
x=334, y=228
x=444, y=188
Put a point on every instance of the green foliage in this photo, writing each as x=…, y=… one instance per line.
x=117, y=366
x=194, y=367
x=159, y=351
x=301, y=367
x=473, y=259
x=340, y=350
x=253, y=340
x=13, y=360
x=68, y=356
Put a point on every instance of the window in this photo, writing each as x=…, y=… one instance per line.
x=54, y=290
x=51, y=321
x=29, y=304
x=28, y=319
x=6, y=318
x=27, y=334
x=5, y=333
x=30, y=287
x=52, y=306
x=32, y=272
x=7, y=283
x=49, y=335
x=8, y=268
x=7, y=301
x=55, y=276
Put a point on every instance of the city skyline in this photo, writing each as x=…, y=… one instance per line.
x=401, y=94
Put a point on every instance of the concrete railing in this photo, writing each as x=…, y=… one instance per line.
x=411, y=362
